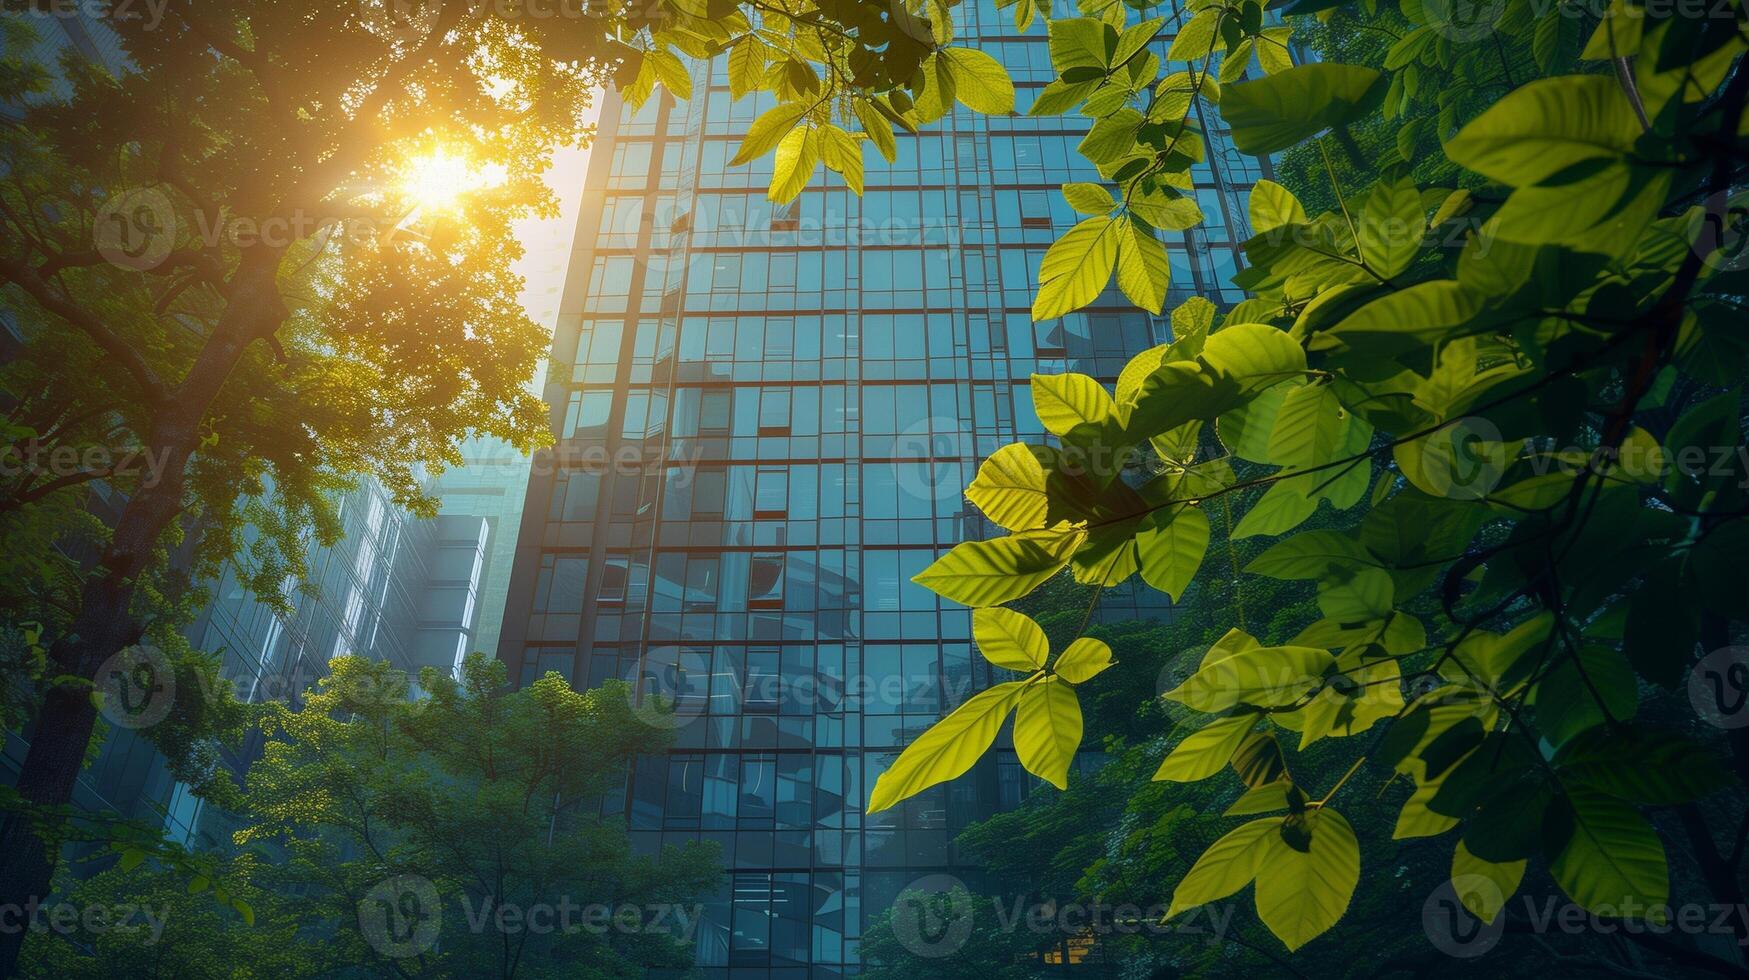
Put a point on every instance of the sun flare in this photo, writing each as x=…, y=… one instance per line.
x=439, y=180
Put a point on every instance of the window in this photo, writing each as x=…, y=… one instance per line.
x=559, y=588
x=774, y=412
x=771, y=493
x=765, y=581
x=574, y=497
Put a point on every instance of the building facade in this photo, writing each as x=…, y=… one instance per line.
x=765, y=418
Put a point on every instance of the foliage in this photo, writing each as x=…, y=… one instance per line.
x=473, y=797
x=269, y=259
x=1529, y=562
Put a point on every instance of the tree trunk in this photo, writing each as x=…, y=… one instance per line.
x=57, y=751
x=106, y=623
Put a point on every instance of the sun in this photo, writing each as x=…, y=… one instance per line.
x=439, y=180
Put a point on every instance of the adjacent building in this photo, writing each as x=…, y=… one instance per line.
x=765, y=416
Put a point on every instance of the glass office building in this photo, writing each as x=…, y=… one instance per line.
x=765, y=417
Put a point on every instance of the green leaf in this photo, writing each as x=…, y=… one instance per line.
x=950, y=746
x=1075, y=269
x=1613, y=859
x=1424, y=313
x=1171, y=548
x=1227, y=866
x=1308, y=428
x=1195, y=40
x=767, y=131
x=1263, y=799
x=1301, y=894
x=989, y=573
x=1089, y=198
x=1254, y=355
x=1311, y=555
x=1206, y=752
x=1008, y=639
x=842, y=153
x=1143, y=272
x=1072, y=406
x=1010, y=489
x=1546, y=126
x=797, y=155
x=1643, y=765
x=1047, y=730
x=672, y=71
x=1083, y=660
x=1272, y=206
x=1393, y=225
x=1266, y=677
x=879, y=130
x=746, y=68
x=1483, y=886
x=980, y=81
x=1076, y=42
x=1278, y=111
x=1136, y=37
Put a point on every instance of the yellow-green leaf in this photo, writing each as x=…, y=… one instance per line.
x=1143, y=272
x=1272, y=206
x=1546, y=126
x=1089, y=198
x=1068, y=402
x=980, y=81
x=1075, y=269
x=1483, y=886
x=1083, y=660
x=842, y=152
x=1008, y=639
x=1010, y=489
x=1267, y=677
x=948, y=748
x=1172, y=549
x=1301, y=894
x=1047, y=730
x=798, y=154
x=879, y=130
x=767, y=131
x=989, y=573
x=1206, y=751
x=1227, y=866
